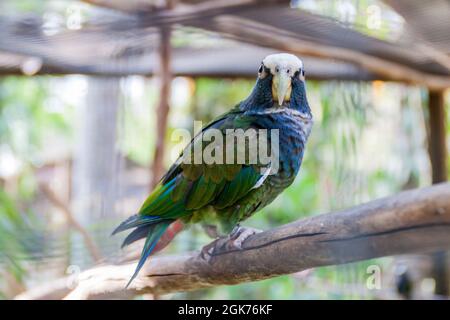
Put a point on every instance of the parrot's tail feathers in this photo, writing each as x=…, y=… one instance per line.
x=136, y=220
x=137, y=234
x=142, y=232
x=155, y=232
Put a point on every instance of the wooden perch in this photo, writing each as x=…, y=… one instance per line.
x=410, y=222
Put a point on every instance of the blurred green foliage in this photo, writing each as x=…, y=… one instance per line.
x=26, y=122
x=15, y=232
x=27, y=118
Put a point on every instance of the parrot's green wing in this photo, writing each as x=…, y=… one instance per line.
x=189, y=186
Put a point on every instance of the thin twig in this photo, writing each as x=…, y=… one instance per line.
x=73, y=223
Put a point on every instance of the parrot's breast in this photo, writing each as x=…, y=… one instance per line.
x=293, y=132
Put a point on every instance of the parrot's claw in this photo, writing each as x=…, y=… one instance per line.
x=208, y=250
x=239, y=235
x=232, y=242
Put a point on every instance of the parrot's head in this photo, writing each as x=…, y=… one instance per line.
x=283, y=69
x=281, y=82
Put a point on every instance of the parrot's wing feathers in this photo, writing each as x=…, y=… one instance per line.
x=220, y=183
x=190, y=186
x=220, y=121
x=237, y=188
x=161, y=203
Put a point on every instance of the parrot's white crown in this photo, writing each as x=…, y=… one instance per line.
x=282, y=61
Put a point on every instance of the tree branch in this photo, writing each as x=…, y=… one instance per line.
x=409, y=222
x=73, y=223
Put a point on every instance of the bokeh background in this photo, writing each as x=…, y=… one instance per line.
x=79, y=139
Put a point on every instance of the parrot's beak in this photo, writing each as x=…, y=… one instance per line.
x=281, y=87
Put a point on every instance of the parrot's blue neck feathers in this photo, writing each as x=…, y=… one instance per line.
x=261, y=97
x=299, y=101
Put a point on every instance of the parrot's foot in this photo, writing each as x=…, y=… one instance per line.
x=232, y=242
x=207, y=251
x=239, y=235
